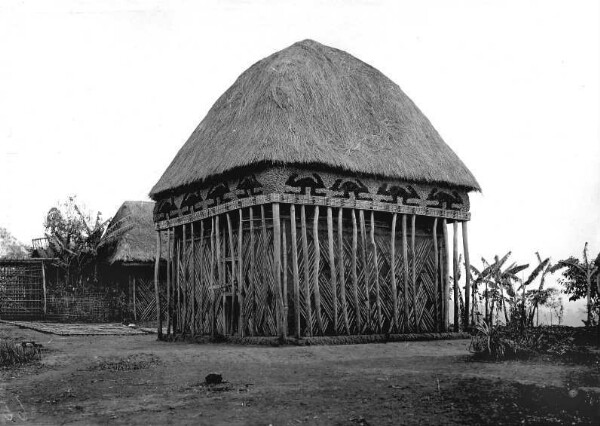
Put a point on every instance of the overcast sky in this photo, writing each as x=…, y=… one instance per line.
x=96, y=97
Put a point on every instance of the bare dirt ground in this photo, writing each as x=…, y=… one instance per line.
x=138, y=380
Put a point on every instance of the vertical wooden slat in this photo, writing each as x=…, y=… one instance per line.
x=407, y=318
x=436, y=275
x=332, y=267
x=455, y=274
x=413, y=256
x=253, y=329
x=241, y=280
x=342, y=271
x=169, y=264
x=211, y=280
x=306, y=270
x=277, y=267
x=376, y=274
x=467, y=274
x=365, y=266
x=201, y=301
x=134, y=303
x=193, y=279
x=180, y=324
x=285, y=276
x=295, y=273
x=316, y=270
x=219, y=263
x=233, y=272
x=393, y=272
x=44, y=287
x=156, y=270
x=354, y=272
x=446, y=277
x=184, y=285
x=264, y=271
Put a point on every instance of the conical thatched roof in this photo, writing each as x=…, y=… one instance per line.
x=131, y=236
x=313, y=104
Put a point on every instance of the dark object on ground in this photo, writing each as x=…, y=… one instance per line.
x=213, y=379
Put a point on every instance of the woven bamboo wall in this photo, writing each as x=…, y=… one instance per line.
x=21, y=290
x=216, y=288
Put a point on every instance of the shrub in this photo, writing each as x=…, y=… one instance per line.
x=14, y=353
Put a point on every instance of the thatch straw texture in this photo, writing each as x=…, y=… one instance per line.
x=131, y=236
x=313, y=104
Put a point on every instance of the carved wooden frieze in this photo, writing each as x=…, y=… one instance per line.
x=305, y=182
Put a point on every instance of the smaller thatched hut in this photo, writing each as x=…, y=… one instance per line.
x=128, y=254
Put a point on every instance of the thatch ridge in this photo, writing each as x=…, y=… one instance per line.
x=313, y=104
x=131, y=236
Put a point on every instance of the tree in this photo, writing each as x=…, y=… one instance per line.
x=10, y=247
x=578, y=279
x=74, y=238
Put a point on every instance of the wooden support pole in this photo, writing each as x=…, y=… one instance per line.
x=295, y=274
x=169, y=301
x=134, y=304
x=342, y=270
x=413, y=255
x=177, y=248
x=201, y=301
x=241, y=280
x=211, y=278
x=264, y=269
x=252, y=273
x=394, y=326
x=220, y=276
x=193, y=278
x=354, y=272
x=365, y=266
x=436, y=275
x=455, y=274
x=185, y=325
x=285, y=276
x=376, y=270
x=306, y=270
x=233, y=272
x=407, y=318
x=44, y=287
x=277, y=268
x=156, y=271
x=465, y=237
x=316, y=270
x=332, y=267
x=446, y=274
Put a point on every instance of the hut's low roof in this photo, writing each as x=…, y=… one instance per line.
x=313, y=104
x=131, y=236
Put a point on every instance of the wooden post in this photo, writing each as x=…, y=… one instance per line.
x=467, y=274
x=201, y=302
x=332, y=268
x=316, y=270
x=277, y=267
x=134, y=304
x=156, y=270
x=306, y=270
x=285, y=276
x=241, y=280
x=436, y=273
x=211, y=279
x=184, y=285
x=342, y=271
x=180, y=323
x=169, y=306
x=446, y=276
x=44, y=287
x=366, y=274
x=264, y=269
x=295, y=274
x=376, y=263
x=233, y=270
x=393, y=272
x=354, y=273
x=414, y=268
x=220, y=277
x=455, y=274
x=406, y=266
x=252, y=273
x=193, y=277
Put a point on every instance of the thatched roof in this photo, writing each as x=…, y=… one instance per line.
x=313, y=104
x=131, y=236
